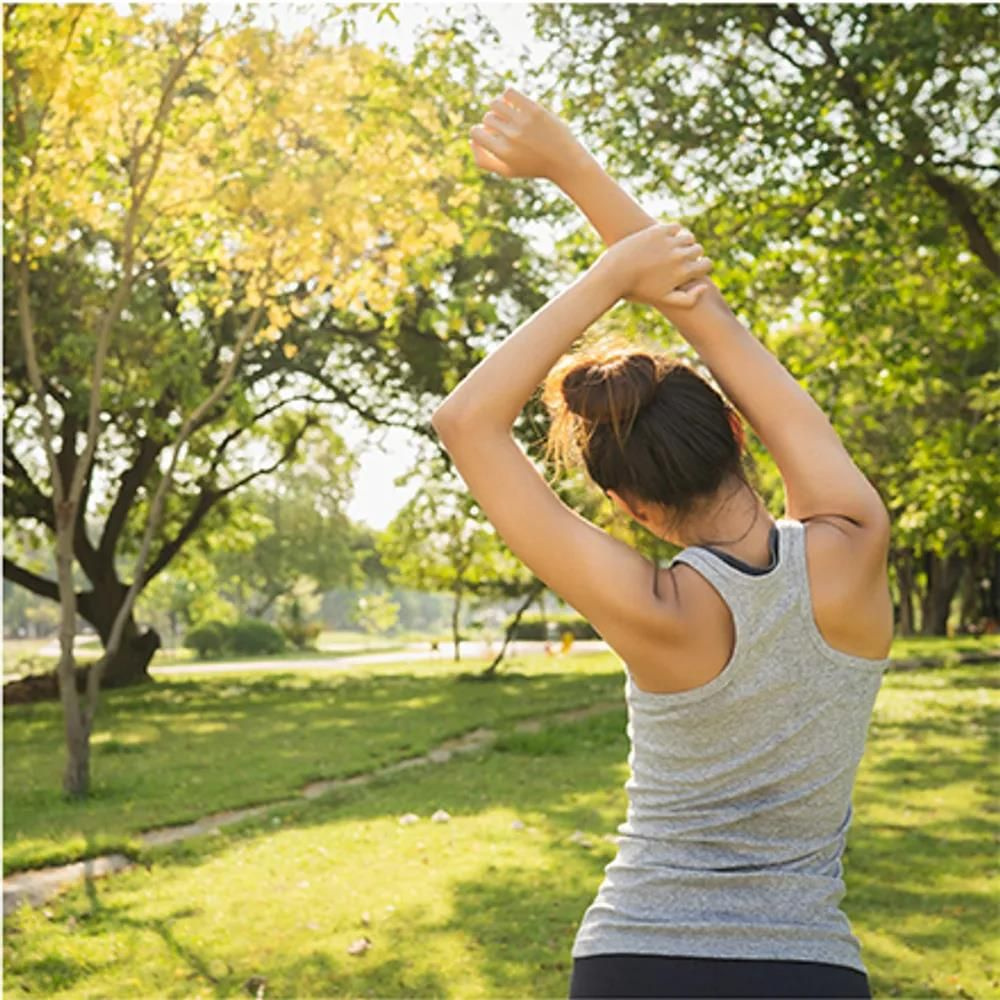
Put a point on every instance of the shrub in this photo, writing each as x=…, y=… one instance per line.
x=301, y=635
x=249, y=635
x=207, y=640
x=252, y=635
x=534, y=626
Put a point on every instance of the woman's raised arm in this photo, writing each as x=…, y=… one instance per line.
x=521, y=138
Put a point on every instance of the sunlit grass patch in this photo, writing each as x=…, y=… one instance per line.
x=483, y=905
x=178, y=749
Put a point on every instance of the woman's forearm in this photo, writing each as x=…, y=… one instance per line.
x=612, y=211
x=496, y=390
x=780, y=411
x=615, y=214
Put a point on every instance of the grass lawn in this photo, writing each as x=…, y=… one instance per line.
x=182, y=747
x=474, y=907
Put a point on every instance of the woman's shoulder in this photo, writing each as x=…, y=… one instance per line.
x=694, y=655
x=847, y=566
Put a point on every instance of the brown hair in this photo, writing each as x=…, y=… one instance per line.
x=644, y=423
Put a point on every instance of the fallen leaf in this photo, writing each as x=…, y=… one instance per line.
x=359, y=947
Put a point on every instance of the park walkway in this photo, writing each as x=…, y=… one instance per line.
x=334, y=660
x=414, y=651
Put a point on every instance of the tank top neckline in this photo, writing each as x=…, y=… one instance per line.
x=745, y=567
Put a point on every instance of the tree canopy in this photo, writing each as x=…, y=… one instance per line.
x=839, y=163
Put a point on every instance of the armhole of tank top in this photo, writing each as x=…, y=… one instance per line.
x=715, y=574
x=800, y=560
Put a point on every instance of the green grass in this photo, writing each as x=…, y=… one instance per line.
x=946, y=650
x=180, y=748
x=474, y=908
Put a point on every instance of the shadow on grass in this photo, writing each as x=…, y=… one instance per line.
x=898, y=874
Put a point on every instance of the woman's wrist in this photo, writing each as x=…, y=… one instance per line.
x=607, y=274
x=578, y=167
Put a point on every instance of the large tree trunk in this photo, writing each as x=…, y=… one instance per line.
x=130, y=664
x=943, y=575
x=903, y=563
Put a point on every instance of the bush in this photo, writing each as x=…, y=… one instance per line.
x=251, y=635
x=248, y=635
x=302, y=635
x=207, y=640
x=534, y=626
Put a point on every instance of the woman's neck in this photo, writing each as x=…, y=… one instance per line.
x=738, y=523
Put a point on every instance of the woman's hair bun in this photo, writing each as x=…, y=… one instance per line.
x=613, y=389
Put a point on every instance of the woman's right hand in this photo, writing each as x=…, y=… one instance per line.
x=661, y=265
x=520, y=138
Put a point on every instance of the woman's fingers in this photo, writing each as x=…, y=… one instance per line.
x=685, y=298
x=492, y=141
x=518, y=100
x=498, y=124
x=485, y=159
x=503, y=108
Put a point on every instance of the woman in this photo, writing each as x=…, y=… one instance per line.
x=753, y=659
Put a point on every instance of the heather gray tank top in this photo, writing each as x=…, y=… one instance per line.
x=739, y=798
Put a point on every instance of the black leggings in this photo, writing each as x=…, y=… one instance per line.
x=613, y=976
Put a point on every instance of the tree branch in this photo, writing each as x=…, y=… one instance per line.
x=130, y=482
x=30, y=581
x=209, y=497
x=953, y=195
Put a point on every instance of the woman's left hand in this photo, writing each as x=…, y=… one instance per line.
x=520, y=138
x=661, y=265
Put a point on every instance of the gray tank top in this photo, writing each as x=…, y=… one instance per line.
x=739, y=797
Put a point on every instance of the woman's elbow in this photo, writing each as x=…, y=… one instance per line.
x=445, y=420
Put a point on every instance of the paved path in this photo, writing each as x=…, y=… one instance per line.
x=37, y=886
x=416, y=651
x=332, y=661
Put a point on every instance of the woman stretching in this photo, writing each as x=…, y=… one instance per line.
x=752, y=660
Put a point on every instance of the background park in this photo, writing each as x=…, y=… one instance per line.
x=262, y=652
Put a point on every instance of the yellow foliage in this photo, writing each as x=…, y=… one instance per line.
x=276, y=161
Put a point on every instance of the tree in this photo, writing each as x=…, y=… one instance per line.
x=440, y=541
x=199, y=192
x=301, y=530
x=840, y=164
